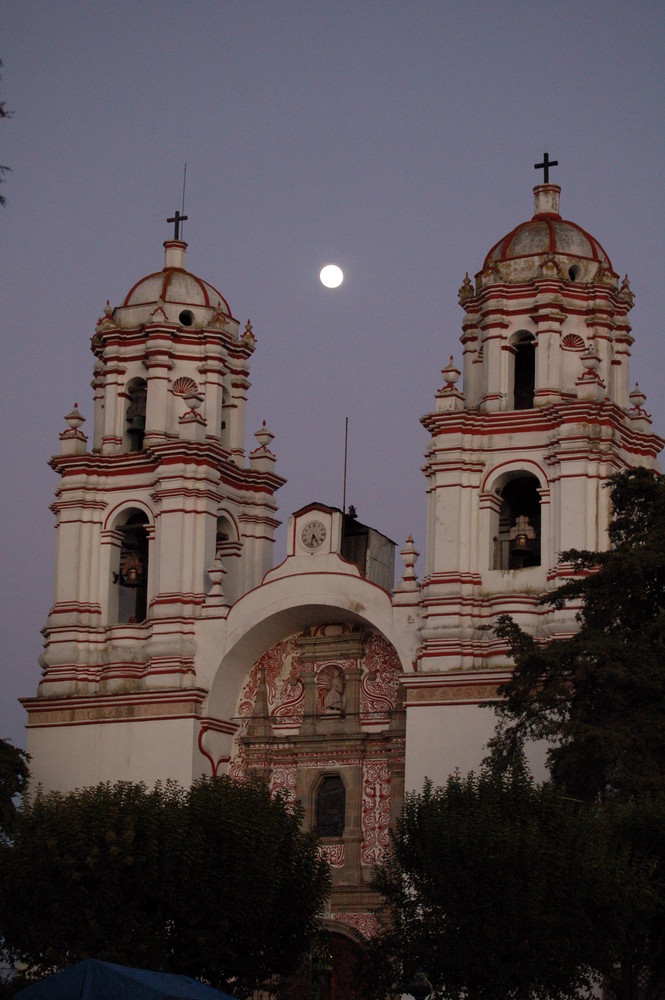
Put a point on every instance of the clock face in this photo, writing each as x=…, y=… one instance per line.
x=313, y=534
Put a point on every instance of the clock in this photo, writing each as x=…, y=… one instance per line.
x=313, y=534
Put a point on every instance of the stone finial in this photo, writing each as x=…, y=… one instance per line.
x=263, y=435
x=106, y=321
x=590, y=385
x=194, y=400
x=73, y=440
x=451, y=374
x=262, y=459
x=409, y=556
x=626, y=292
x=637, y=413
x=248, y=335
x=215, y=598
x=449, y=397
x=590, y=359
x=74, y=419
x=466, y=290
x=637, y=398
x=192, y=424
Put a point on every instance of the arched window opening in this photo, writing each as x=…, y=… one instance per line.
x=525, y=372
x=132, y=579
x=225, y=426
x=137, y=392
x=331, y=807
x=517, y=544
x=229, y=548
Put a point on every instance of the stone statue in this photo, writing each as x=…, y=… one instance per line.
x=334, y=701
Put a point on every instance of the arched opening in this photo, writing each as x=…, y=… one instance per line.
x=229, y=548
x=225, y=426
x=137, y=394
x=331, y=807
x=524, y=372
x=517, y=542
x=132, y=576
x=329, y=971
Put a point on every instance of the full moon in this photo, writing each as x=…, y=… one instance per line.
x=331, y=276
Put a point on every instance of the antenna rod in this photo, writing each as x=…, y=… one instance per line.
x=346, y=441
x=184, y=182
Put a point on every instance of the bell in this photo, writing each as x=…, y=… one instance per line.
x=521, y=542
x=132, y=570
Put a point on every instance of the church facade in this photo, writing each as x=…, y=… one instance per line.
x=175, y=648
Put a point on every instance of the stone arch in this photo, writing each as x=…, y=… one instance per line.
x=127, y=540
x=225, y=420
x=114, y=516
x=282, y=607
x=515, y=515
x=523, y=369
x=136, y=393
x=129, y=533
x=228, y=545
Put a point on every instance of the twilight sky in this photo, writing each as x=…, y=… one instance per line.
x=396, y=139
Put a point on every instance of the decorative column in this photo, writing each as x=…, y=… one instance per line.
x=158, y=351
x=548, y=319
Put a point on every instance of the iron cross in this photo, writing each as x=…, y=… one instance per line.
x=178, y=218
x=545, y=167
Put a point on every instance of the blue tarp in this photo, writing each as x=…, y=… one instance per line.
x=93, y=980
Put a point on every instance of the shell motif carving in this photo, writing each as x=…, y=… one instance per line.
x=183, y=386
x=572, y=342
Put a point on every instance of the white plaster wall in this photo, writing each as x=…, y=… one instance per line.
x=444, y=738
x=441, y=739
x=70, y=757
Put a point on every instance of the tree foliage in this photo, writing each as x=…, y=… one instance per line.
x=496, y=887
x=598, y=698
x=259, y=883
x=13, y=780
x=218, y=882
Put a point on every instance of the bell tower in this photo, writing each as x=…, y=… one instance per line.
x=518, y=456
x=164, y=519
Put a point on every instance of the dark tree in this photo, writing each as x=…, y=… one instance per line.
x=598, y=698
x=13, y=780
x=218, y=882
x=98, y=862
x=495, y=887
x=260, y=884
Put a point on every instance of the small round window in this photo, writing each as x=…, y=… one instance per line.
x=574, y=272
x=186, y=317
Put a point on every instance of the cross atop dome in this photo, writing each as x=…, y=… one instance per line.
x=544, y=166
x=178, y=218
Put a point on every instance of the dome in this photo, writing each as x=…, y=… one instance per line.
x=182, y=297
x=519, y=255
